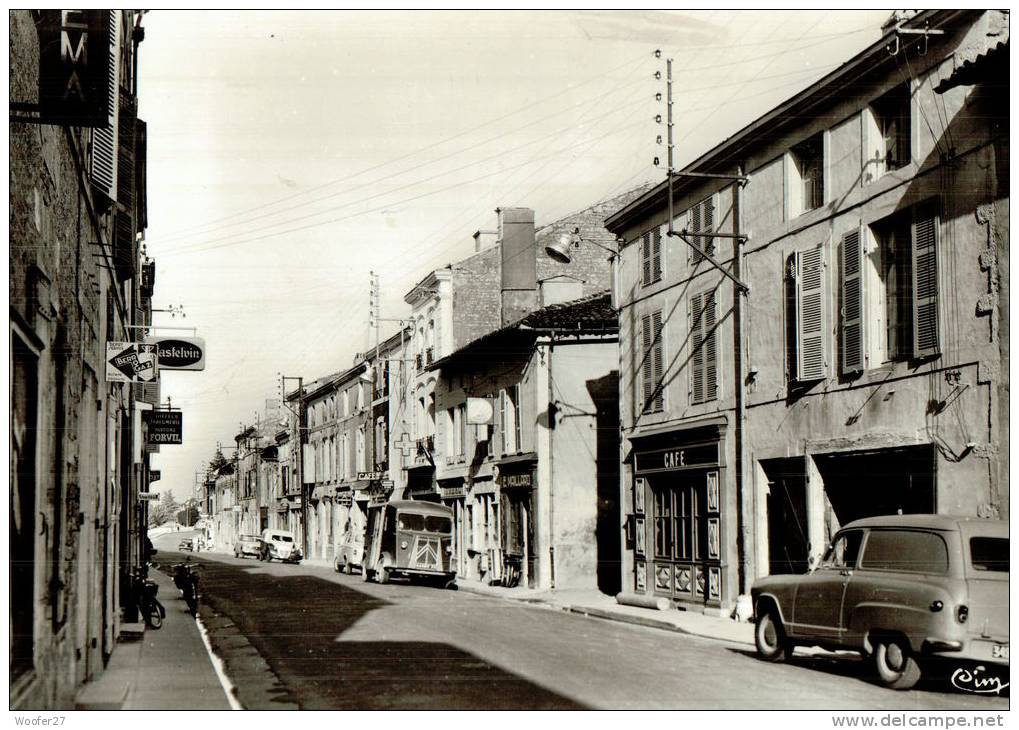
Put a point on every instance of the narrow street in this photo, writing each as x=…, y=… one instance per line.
x=335, y=642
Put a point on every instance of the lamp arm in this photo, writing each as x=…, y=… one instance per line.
x=602, y=246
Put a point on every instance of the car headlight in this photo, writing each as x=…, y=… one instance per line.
x=403, y=544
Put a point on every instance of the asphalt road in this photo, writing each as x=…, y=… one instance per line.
x=333, y=642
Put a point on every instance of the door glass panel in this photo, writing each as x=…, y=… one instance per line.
x=843, y=551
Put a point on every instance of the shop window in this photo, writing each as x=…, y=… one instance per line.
x=22, y=562
x=806, y=184
x=651, y=256
x=892, y=121
x=907, y=245
x=652, y=363
x=510, y=419
x=703, y=314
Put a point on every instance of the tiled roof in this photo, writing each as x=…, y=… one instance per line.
x=976, y=66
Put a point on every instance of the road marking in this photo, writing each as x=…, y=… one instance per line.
x=228, y=687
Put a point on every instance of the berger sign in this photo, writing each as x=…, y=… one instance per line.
x=165, y=427
x=179, y=353
x=130, y=362
x=74, y=66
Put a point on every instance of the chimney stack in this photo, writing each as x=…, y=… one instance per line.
x=485, y=239
x=519, y=263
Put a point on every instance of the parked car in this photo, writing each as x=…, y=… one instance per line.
x=411, y=539
x=901, y=589
x=247, y=545
x=187, y=544
x=279, y=544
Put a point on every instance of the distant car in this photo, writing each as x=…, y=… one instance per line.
x=900, y=589
x=247, y=545
x=350, y=553
x=187, y=544
x=279, y=544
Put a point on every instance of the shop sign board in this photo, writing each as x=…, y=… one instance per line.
x=524, y=480
x=131, y=362
x=694, y=456
x=74, y=67
x=480, y=411
x=179, y=353
x=368, y=476
x=164, y=427
x=154, y=475
x=453, y=492
x=345, y=499
x=148, y=496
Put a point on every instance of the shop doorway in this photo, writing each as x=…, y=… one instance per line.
x=880, y=482
x=788, y=545
x=518, y=545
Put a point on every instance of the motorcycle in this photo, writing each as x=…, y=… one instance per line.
x=185, y=577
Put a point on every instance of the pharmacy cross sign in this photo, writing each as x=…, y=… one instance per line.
x=406, y=445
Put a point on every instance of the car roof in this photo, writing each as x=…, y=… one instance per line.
x=927, y=521
x=425, y=508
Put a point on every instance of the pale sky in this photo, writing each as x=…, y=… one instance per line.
x=290, y=153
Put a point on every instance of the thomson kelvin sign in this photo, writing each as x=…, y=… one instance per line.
x=179, y=353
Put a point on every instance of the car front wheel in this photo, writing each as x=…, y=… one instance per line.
x=896, y=666
x=770, y=639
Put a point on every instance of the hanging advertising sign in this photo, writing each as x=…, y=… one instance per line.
x=154, y=475
x=164, y=427
x=75, y=66
x=148, y=496
x=480, y=411
x=130, y=362
x=345, y=499
x=179, y=353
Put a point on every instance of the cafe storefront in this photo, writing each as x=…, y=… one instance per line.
x=676, y=527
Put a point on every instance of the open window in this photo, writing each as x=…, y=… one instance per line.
x=891, y=134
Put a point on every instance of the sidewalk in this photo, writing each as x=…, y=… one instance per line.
x=158, y=669
x=598, y=605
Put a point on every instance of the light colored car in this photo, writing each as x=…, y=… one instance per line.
x=900, y=589
x=279, y=545
x=247, y=545
x=350, y=553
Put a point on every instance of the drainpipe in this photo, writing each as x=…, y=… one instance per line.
x=738, y=379
x=551, y=471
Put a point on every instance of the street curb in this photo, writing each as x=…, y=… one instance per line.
x=593, y=612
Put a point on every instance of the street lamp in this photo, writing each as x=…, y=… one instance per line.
x=559, y=250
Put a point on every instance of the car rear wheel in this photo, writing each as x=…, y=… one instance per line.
x=347, y=567
x=896, y=666
x=770, y=639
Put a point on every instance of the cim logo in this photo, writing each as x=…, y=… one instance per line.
x=180, y=353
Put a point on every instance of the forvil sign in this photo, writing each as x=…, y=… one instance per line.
x=74, y=64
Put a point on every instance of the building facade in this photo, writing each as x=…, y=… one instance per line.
x=861, y=373
x=78, y=280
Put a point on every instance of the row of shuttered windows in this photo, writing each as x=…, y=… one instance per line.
x=906, y=246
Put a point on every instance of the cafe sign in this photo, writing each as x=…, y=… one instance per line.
x=695, y=456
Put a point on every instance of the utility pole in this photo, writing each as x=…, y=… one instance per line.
x=302, y=435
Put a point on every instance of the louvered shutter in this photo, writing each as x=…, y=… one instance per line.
x=810, y=315
x=645, y=253
x=925, y=285
x=656, y=255
x=102, y=168
x=709, y=320
x=140, y=181
x=125, y=152
x=647, y=363
x=125, y=258
x=708, y=225
x=697, y=341
x=658, y=398
x=852, y=303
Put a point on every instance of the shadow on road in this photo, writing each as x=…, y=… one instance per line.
x=936, y=672
x=294, y=622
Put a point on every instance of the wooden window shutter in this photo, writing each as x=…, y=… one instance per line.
x=708, y=225
x=102, y=167
x=852, y=303
x=645, y=253
x=925, y=284
x=647, y=364
x=656, y=255
x=125, y=152
x=125, y=256
x=710, y=318
x=658, y=397
x=697, y=341
x=810, y=315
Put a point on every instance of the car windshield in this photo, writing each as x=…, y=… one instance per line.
x=282, y=538
x=410, y=521
x=989, y=553
x=437, y=524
